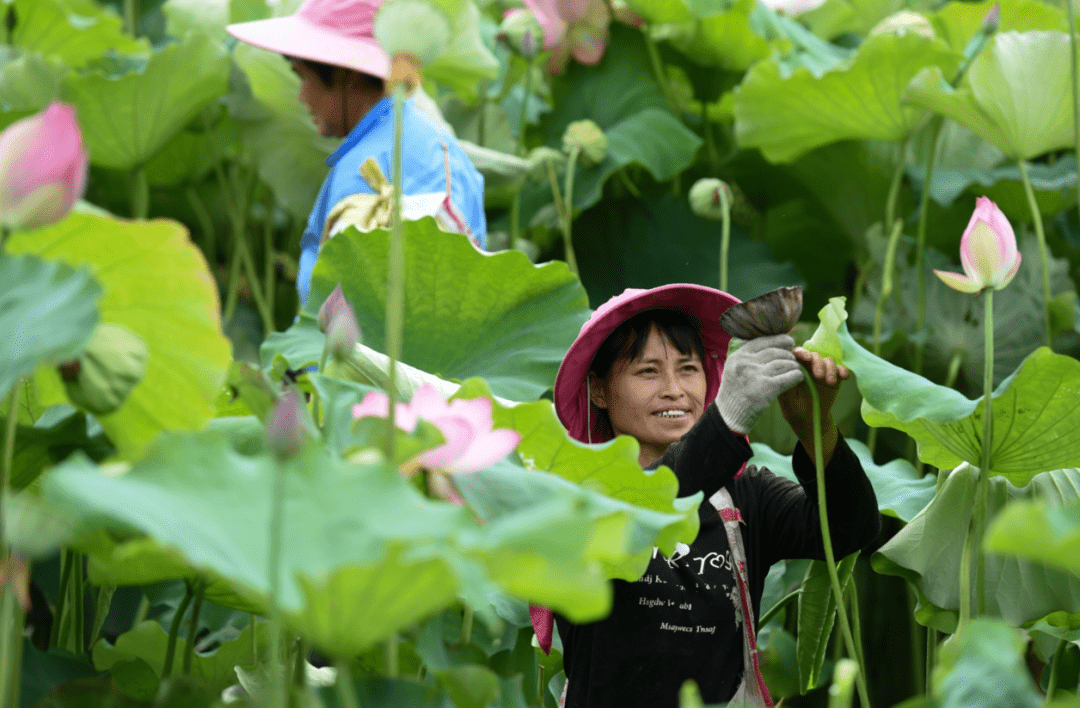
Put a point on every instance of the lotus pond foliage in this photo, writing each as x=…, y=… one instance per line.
x=211, y=496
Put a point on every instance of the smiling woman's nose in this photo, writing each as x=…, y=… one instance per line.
x=672, y=386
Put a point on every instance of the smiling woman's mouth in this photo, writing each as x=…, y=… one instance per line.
x=673, y=413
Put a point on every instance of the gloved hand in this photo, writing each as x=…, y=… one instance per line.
x=754, y=375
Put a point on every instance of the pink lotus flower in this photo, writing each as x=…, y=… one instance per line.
x=572, y=27
x=987, y=251
x=42, y=168
x=329, y=308
x=466, y=426
x=285, y=431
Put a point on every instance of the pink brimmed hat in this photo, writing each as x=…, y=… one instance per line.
x=701, y=304
x=338, y=32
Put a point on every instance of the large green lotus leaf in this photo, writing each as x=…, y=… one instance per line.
x=209, y=17
x=48, y=311
x=900, y=492
x=277, y=129
x=467, y=313
x=835, y=17
x=722, y=40
x=143, y=561
x=610, y=469
x=1039, y=531
x=350, y=531
x=28, y=83
x=74, y=31
x=957, y=22
x=156, y=284
x=52, y=437
x=148, y=641
x=787, y=116
x=984, y=667
x=620, y=96
x=126, y=120
x=1019, y=591
x=1016, y=96
x=1035, y=415
x=466, y=61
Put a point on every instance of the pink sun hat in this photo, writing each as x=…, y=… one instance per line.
x=702, y=305
x=337, y=32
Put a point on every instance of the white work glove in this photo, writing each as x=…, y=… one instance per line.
x=758, y=372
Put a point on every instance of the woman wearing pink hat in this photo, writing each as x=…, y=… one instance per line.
x=342, y=71
x=651, y=364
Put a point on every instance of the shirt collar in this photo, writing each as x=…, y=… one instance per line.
x=375, y=116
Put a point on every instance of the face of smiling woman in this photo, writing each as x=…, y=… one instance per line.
x=656, y=397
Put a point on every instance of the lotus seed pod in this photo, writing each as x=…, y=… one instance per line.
x=521, y=31
x=103, y=377
x=413, y=27
x=586, y=135
x=905, y=22
x=775, y=312
x=707, y=198
x=330, y=307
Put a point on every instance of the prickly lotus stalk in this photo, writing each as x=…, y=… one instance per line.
x=102, y=378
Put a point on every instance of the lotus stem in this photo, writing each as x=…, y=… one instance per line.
x=395, y=286
x=254, y=640
x=710, y=139
x=886, y=282
x=540, y=685
x=193, y=627
x=1074, y=62
x=56, y=635
x=140, y=194
x=725, y=237
x=856, y=621
x=1036, y=217
x=523, y=116
x=466, y=625
x=269, y=273
x=1055, y=670
x=78, y=605
x=5, y=232
x=826, y=537
x=987, y=449
x=12, y=622
x=658, y=70
x=556, y=193
x=9, y=456
x=392, y=656
x=345, y=690
x=568, y=211
x=206, y=224
x=300, y=667
x=931, y=658
x=894, y=186
x=174, y=632
x=920, y=246
x=131, y=17
x=277, y=540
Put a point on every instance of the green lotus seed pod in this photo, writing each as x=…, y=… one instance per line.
x=705, y=198
x=100, y=381
x=413, y=26
x=588, y=136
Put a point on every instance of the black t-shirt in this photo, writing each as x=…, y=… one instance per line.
x=679, y=620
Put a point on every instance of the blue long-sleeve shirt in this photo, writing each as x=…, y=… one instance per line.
x=422, y=163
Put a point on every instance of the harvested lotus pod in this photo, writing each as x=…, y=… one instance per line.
x=775, y=312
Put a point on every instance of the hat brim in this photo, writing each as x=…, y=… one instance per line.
x=295, y=36
x=702, y=305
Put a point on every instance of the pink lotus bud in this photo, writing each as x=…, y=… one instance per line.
x=987, y=251
x=992, y=20
x=520, y=31
x=285, y=429
x=333, y=302
x=343, y=332
x=42, y=168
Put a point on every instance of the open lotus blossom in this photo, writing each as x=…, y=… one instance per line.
x=577, y=28
x=42, y=168
x=466, y=426
x=987, y=251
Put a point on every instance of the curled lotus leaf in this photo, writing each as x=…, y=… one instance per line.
x=775, y=312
